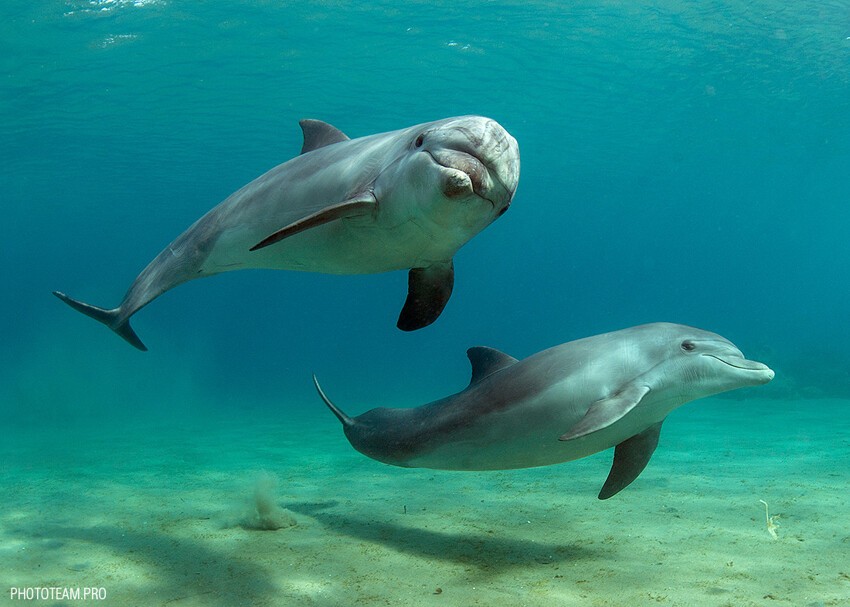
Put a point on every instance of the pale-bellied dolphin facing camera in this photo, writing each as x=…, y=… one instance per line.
x=406, y=199
x=561, y=404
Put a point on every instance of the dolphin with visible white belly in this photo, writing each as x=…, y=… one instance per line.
x=559, y=405
x=406, y=199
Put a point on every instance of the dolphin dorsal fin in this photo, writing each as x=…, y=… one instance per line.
x=318, y=134
x=486, y=361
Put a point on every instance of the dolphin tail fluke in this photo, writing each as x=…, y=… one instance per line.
x=346, y=421
x=111, y=318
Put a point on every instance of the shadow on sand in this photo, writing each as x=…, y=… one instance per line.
x=171, y=569
x=488, y=553
x=168, y=569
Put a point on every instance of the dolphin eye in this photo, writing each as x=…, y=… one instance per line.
x=419, y=141
x=688, y=346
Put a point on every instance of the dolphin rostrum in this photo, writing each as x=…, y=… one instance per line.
x=404, y=199
x=561, y=404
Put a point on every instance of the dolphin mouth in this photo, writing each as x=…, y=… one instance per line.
x=476, y=170
x=743, y=364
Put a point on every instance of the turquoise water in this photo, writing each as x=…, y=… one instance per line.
x=681, y=161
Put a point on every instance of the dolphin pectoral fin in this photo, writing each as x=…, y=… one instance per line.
x=428, y=291
x=357, y=205
x=486, y=361
x=111, y=318
x=630, y=458
x=606, y=411
x=318, y=134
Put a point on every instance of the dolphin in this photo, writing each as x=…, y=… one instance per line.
x=559, y=405
x=407, y=199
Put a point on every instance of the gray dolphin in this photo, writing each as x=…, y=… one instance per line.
x=561, y=404
x=404, y=199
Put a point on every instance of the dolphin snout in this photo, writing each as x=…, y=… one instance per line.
x=481, y=149
x=500, y=153
x=495, y=148
x=743, y=363
x=467, y=174
x=762, y=374
x=755, y=372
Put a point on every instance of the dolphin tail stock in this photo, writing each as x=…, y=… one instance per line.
x=111, y=318
x=340, y=414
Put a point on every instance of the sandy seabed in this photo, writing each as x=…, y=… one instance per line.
x=159, y=513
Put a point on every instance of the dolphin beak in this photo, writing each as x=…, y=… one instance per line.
x=479, y=177
x=490, y=186
x=760, y=370
x=487, y=154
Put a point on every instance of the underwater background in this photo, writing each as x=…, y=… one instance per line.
x=681, y=161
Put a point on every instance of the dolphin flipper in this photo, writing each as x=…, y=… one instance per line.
x=357, y=205
x=428, y=291
x=630, y=458
x=605, y=412
x=111, y=318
